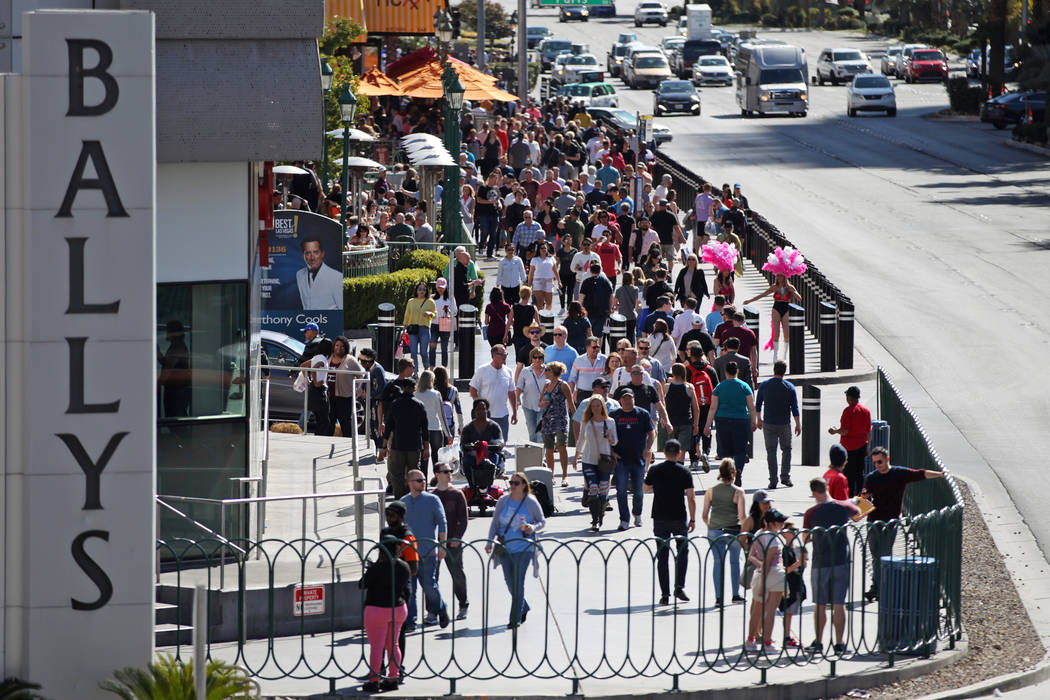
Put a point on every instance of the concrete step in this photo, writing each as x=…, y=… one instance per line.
x=169, y=635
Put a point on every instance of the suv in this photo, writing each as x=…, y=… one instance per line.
x=645, y=69
x=614, y=59
x=575, y=66
x=590, y=94
x=905, y=55
x=683, y=59
x=840, y=65
x=925, y=64
x=568, y=12
x=550, y=48
x=650, y=11
x=534, y=35
x=676, y=96
x=870, y=92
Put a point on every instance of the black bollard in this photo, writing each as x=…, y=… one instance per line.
x=845, y=333
x=547, y=321
x=810, y=426
x=828, y=348
x=796, y=339
x=617, y=329
x=468, y=320
x=751, y=321
x=387, y=342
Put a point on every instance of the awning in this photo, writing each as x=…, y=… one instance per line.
x=426, y=150
x=425, y=82
x=377, y=84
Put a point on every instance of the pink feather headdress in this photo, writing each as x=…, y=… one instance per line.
x=785, y=261
x=721, y=255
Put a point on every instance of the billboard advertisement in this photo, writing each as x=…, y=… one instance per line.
x=387, y=16
x=304, y=283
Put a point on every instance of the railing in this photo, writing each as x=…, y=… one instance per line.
x=380, y=261
x=760, y=239
x=911, y=446
x=594, y=612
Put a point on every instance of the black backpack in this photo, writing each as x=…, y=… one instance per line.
x=539, y=490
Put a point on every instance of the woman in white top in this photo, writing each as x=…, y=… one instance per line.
x=441, y=327
x=529, y=386
x=597, y=438
x=466, y=206
x=662, y=345
x=543, y=277
x=317, y=389
x=431, y=400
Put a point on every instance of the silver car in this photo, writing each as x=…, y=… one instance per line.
x=891, y=59
x=712, y=70
x=650, y=12
x=871, y=93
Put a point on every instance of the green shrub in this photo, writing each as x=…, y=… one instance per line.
x=509, y=72
x=15, y=689
x=168, y=679
x=424, y=258
x=847, y=12
x=1032, y=133
x=770, y=20
x=363, y=295
x=963, y=98
x=795, y=17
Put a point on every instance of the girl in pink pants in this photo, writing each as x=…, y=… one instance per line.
x=386, y=607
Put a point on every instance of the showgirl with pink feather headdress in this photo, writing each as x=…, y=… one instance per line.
x=783, y=263
x=723, y=256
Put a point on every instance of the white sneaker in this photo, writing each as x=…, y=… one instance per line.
x=751, y=645
x=637, y=521
x=770, y=648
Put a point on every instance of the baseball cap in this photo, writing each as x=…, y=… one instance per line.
x=761, y=497
x=396, y=506
x=775, y=516
x=601, y=381
x=698, y=320
x=837, y=455
x=627, y=392
x=637, y=370
x=853, y=391
x=441, y=283
x=736, y=186
x=317, y=329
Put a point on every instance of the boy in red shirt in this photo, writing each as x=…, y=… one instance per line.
x=838, y=485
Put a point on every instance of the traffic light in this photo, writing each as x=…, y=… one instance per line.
x=455, y=23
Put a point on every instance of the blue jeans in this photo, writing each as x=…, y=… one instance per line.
x=721, y=542
x=436, y=338
x=488, y=235
x=419, y=346
x=732, y=435
x=504, y=425
x=532, y=423
x=427, y=578
x=635, y=473
x=515, y=567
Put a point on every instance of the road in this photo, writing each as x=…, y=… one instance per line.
x=938, y=232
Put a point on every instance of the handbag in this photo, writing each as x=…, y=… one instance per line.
x=412, y=329
x=606, y=464
x=498, y=548
x=445, y=324
x=300, y=382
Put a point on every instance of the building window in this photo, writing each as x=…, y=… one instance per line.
x=202, y=350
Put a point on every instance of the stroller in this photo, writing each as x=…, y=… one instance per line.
x=482, y=462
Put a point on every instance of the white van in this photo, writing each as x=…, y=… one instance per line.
x=772, y=78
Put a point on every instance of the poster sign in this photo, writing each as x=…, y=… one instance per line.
x=309, y=600
x=645, y=128
x=304, y=283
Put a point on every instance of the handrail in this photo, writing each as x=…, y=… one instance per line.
x=269, y=499
x=198, y=524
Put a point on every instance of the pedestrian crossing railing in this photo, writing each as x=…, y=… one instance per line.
x=294, y=608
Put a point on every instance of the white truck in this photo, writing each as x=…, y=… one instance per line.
x=699, y=41
x=698, y=21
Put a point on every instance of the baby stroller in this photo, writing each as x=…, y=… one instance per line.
x=482, y=463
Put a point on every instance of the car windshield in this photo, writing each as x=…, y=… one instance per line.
x=555, y=46
x=847, y=56
x=651, y=62
x=927, y=56
x=871, y=81
x=780, y=75
x=622, y=115
x=720, y=61
x=537, y=31
x=584, y=61
x=620, y=51
x=575, y=91
x=676, y=86
x=895, y=51
x=651, y=6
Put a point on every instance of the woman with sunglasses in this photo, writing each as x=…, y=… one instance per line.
x=419, y=312
x=529, y=386
x=515, y=522
x=456, y=513
x=597, y=438
x=534, y=333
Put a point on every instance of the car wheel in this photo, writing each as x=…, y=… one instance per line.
x=891, y=112
x=637, y=24
x=908, y=78
x=834, y=80
x=999, y=124
x=820, y=78
x=851, y=112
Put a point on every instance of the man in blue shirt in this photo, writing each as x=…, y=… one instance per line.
x=781, y=403
x=526, y=233
x=607, y=174
x=733, y=405
x=635, y=435
x=561, y=351
x=425, y=515
x=714, y=318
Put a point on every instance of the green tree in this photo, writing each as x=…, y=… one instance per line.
x=497, y=23
x=169, y=679
x=15, y=689
x=336, y=46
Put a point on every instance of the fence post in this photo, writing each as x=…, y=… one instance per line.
x=796, y=339
x=547, y=321
x=845, y=333
x=810, y=426
x=386, y=342
x=468, y=319
x=828, y=348
x=200, y=640
x=359, y=510
x=751, y=321
x=617, y=329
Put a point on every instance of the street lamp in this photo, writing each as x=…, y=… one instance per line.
x=347, y=110
x=451, y=217
x=443, y=32
x=326, y=87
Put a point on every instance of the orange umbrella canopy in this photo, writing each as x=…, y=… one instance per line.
x=377, y=84
x=425, y=81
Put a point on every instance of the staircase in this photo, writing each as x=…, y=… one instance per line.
x=172, y=616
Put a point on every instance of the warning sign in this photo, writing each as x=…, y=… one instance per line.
x=309, y=600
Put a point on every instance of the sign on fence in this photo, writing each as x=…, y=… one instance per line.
x=309, y=600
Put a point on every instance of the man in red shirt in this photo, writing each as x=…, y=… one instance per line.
x=611, y=258
x=838, y=485
x=748, y=342
x=854, y=433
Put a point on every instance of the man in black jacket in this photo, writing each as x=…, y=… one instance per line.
x=409, y=441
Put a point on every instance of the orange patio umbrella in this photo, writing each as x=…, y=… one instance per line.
x=377, y=84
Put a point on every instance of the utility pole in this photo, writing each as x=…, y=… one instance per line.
x=997, y=55
x=481, y=35
x=523, y=56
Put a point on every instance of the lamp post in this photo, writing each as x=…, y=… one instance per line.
x=451, y=217
x=326, y=87
x=347, y=109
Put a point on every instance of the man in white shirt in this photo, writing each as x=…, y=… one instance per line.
x=494, y=382
x=581, y=264
x=320, y=286
x=585, y=370
x=683, y=322
x=661, y=190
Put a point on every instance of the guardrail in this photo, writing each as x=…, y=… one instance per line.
x=760, y=239
x=594, y=611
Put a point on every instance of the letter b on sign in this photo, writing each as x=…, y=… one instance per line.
x=77, y=74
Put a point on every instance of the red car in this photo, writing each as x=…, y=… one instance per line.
x=926, y=64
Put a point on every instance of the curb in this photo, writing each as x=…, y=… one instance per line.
x=1011, y=681
x=849, y=376
x=1030, y=147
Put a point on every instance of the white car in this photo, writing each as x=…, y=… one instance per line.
x=650, y=12
x=871, y=93
x=891, y=59
x=840, y=65
x=590, y=94
x=575, y=65
x=712, y=70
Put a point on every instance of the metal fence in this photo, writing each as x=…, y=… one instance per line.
x=380, y=261
x=760, y=239
x=594, y=609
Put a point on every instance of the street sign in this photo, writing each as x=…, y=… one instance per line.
x=556, y=3
x=645, y=128
x=309, y=600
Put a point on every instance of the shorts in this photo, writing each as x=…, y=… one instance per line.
x=667, y=249
x=775, y=582
x=830, y=584
x=543, y=285
x=552, y=440
x=782, y=307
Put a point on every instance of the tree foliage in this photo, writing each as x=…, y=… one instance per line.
x=15, y=689
x=497, y=23
x=169, y=679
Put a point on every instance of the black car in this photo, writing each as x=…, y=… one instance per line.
x=573, y=12
x=676, y=96
x=606, y=10
x=1011, y=108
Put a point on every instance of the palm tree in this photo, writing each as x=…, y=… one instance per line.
x=169, y=679
x=15, y=689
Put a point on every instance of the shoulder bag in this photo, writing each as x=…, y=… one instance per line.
x=605, y=462
x=497, y=549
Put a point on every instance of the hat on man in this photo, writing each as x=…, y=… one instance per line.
x=698, y=320
x=775, y=516
x=627, y=392
x=637, y=370
x=310, y=327
x=853, y=392
x=760, y=497
x=837, y=455
x=601, y=382
x=736, y=186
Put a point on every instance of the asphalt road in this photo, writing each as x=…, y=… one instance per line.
x=938, y=232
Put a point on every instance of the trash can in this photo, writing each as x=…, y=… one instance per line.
x=908, y=609
x=880, y=437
